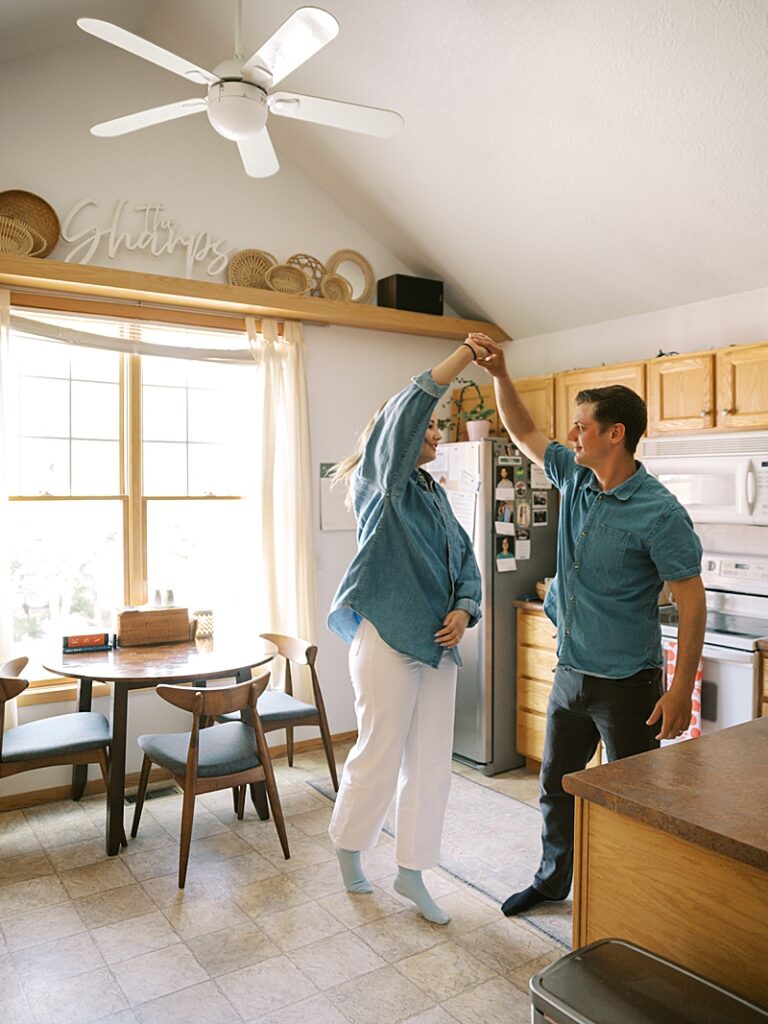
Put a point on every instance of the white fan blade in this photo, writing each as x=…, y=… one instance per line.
x=300, y=37
x=145, y=118
x=350, y=116
x=258, y=155
x=146, y=50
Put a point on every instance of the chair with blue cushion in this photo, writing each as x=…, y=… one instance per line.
x=82, y=737
x=279, y=709
x=229, y=756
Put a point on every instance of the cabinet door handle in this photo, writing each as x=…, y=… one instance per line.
x=726, y=412
x=704, y=412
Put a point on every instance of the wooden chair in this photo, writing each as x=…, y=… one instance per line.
x=82, y=737
x=279, y=709
x=205, y=760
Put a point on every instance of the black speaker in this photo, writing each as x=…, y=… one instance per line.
x=419, y=294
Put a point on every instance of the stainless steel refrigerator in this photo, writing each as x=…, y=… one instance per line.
x=510, y=511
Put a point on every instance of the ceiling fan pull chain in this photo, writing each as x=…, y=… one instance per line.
x=238, y=30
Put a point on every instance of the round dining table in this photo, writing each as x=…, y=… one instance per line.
x=133, y=668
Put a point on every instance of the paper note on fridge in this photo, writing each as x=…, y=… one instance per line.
x=463, y=505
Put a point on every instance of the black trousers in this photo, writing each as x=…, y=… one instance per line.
x=582, y=710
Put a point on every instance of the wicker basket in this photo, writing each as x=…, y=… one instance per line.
x=248, y=267
x=334, y=286
x=312, y=267
x=285, y=278
x=37, y=238
x=152, y=626
x=350, y=256
x=35, y=213
x=15, y=238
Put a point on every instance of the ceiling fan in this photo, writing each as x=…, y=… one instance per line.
x=240, y=96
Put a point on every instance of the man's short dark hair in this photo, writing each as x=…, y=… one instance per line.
x=617, y=404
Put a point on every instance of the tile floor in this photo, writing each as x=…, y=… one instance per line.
x=86, y=938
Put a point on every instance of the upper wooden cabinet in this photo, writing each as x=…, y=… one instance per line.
x=568, y=385
x=681, y=393
x=741, y=380
x=538, y=394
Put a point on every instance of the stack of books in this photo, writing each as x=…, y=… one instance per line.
x=79, y=642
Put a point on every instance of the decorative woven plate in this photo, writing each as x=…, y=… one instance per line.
x=35, y=212
x=285, y=278
x=248, y=267
x=334, y=286
x=15, y=238
x=311, y=266
x=349, y=255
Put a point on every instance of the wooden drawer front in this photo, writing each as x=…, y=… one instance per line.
x=530, y=734
x=764, y=663
x=536, y=663
x=533, y=694
x=535, y=630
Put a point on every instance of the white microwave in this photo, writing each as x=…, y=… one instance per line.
x=719, y=478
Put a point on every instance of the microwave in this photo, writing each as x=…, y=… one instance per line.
x=718, y=478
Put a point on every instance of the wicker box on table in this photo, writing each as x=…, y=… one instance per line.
x=152, y=626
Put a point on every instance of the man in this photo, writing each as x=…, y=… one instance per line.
x=621, y=535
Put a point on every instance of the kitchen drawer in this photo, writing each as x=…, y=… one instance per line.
x=764, y=676
x=536, y=663
x=530, y=734
x=535, y=630
x=533, y=694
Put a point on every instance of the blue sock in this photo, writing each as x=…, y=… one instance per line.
x=409, y=883
x=352, y=871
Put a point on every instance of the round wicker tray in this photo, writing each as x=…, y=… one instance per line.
x=285, y=278
x=349, y=255
x=15, y=237
x=249, y=267
x=311, y=266
x=334, y=286
x=34, y=212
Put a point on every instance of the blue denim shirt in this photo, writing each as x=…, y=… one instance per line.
x=614, y=550
x=414, y=562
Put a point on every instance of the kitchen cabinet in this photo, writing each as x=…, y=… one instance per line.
x=681, y=393
x=763, y=709
x=538, y=395
x=741, y=380
x=568, y=385
x=536, y=662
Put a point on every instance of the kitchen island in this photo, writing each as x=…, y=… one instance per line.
x=671, y=852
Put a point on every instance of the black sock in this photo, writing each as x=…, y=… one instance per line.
x=519, y=902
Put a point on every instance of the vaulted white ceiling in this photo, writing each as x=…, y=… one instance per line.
x=563, y=162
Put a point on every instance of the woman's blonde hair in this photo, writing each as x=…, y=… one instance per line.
x=342, y=471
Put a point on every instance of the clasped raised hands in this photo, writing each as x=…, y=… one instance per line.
x=490, y=355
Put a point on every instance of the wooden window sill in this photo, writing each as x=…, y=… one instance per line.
x=57, y=691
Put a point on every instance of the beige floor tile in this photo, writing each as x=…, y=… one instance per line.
x=505, y=944
x=300, y=802
x=12, y=821
x=82, y=1000
x=437, y=1015
x=156, y=974
x=114, y=905
x=64, y=858
x=265, y=987
x=18, y=841
x=159, y=858
x=315, y=822
x=134, y=936
x=259, y=899
x=238, y=871
x=231, y=949
x=300, y=926
x=315, y=1010
x=16, y=1011
x=164, y=890
x=400, y=935
x=10, y=982
x=57, y=959
x=200, y=1004
x=468, y=911
x=41, y=926
x=385, y=998
x=262, y=835
x=320, y=879
x=334, y=960
x=66, y=832
x=121, y=1017
x=305, y=851
x=23, y=897
x=196, y=917
x=26, y=866
x=205, y=824
x=355, y=909
x=444, y=971
x=521, y=975
x=94, y=878
x=217, y=847
x=495, y=1000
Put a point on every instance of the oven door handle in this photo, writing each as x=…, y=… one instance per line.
x=713, y=653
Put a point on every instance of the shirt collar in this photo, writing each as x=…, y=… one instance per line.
x=626, y=489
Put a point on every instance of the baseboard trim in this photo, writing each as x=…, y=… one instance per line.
x=16, y=801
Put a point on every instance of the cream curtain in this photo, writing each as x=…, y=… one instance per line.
x=282, y=500
x=6, y=405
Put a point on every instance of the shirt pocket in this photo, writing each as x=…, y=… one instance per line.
x=606, y=557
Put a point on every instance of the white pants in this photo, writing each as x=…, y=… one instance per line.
x=404, y=742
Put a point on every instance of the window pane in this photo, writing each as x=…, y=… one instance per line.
x=95, y=467
x=94, y=364
x=215, y=469
x=43, y=466
x=34, y=355
x=208, y=416
x=157, y=370
x=66, y=571
x=95, y=410
x=165, y=468
x=200, y=550
x=44, y=407
x=165, y=414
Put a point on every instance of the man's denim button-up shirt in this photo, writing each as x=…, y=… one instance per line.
x=414, y=562
x=614, y=550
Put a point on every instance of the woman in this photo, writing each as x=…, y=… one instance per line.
x=404, y=603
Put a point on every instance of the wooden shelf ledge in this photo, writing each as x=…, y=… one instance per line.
x=132, y=287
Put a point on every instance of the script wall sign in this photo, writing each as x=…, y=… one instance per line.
x=146, y=228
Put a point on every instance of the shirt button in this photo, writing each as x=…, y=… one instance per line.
x=575, y=566
x=567, y=632
x=571, y=598
x=583, y=533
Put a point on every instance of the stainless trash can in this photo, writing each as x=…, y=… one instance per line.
x=616, y=982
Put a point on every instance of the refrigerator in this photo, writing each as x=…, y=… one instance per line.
x=509, y=509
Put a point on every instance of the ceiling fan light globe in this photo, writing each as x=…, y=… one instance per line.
x=237, y=110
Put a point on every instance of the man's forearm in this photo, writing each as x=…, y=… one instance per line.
x=513, y=413
x=690, y=639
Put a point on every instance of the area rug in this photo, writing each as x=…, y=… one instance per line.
x=492, y=843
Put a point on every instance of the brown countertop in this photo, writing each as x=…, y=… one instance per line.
x=712, y=791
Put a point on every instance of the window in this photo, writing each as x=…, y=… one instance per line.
x=128, y=474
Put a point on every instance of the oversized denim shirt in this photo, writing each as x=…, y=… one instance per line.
x=414, y=562
x=614, y=550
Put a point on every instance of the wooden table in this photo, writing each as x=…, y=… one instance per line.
x=132, y=668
